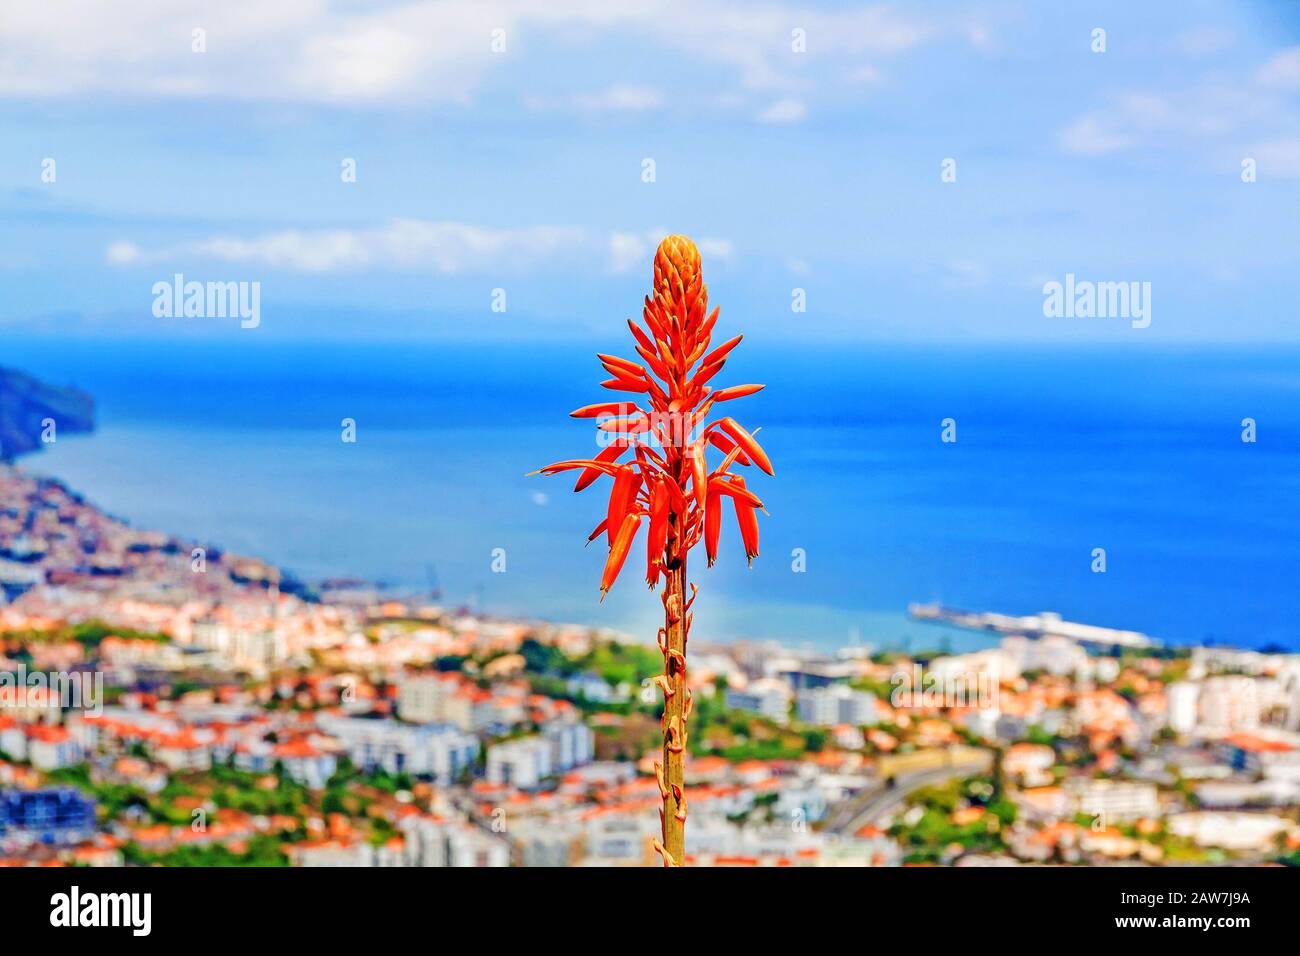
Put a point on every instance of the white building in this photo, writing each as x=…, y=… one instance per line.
x=590, y=687
x=331, y=853
x=433, y=841
x=469, y=846
x=1030, y=764
x=767, y=696
x=975, y=668
x=1111, y=800
x=1231, y=831
x=526, y=761
x=547, y=841
x=1269, y=752
x=1228, y=703
x=521, y=763
x=51, y=748
x=429, y=750
x=1289, y=679
x=13, y=738
x=1213, y=659
x=183, y=753
x=244, y=645
x=423, y=698
x=614, y=839
x=301, y=761
x=1268, y=792
x=572, y=744
x=1184, y=699
x=834, y=705
x=1054, y=653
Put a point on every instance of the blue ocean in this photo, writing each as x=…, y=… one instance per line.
x=1058, y=452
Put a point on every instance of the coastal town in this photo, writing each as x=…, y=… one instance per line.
x=166, y=703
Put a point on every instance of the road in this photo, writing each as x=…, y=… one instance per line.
x=871, y=805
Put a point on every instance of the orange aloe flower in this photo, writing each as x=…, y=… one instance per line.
x=666, y=483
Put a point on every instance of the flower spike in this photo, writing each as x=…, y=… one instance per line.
x=667, y=483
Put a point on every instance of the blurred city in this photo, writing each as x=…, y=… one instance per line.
x=162, y=702
x=299, y=300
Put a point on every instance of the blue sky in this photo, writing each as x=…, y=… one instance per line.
x=522, y=169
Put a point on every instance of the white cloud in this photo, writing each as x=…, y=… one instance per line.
x=413, y=245
x=785, y=110
x=755, y=37
x=1217, y=111
x=1093, y=135
x=296, y=50
x=616, y=99
x=864, y=75
x=1279, y=157
x=405, y=244
x=125, y=254
x=339, y=51
x=1282, y=70
x=1203, y=41
x=716, y=248
x=965, y=274
x=629, y=251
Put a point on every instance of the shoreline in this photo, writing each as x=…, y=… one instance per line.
x=953, y=631
x=884, y=634
x=232, y=445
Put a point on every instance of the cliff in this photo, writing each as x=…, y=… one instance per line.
x=26, y=403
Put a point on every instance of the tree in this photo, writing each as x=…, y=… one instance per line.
x=668, y=482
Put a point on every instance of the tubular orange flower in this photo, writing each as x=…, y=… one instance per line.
x=618, y=552
x=613, y=363
x=746, y=441
x=621, y=499
x=735, y=391
x=657, y=538
x=725, y=445
x=748, y=521
x=712, y=526
x=602, y=408
x=699, y=476
x=736, y=490
x=722, y=350
x=625, y=385
x=611, y=453
x=669, y=442
x=630, y=424
x=560, y=466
